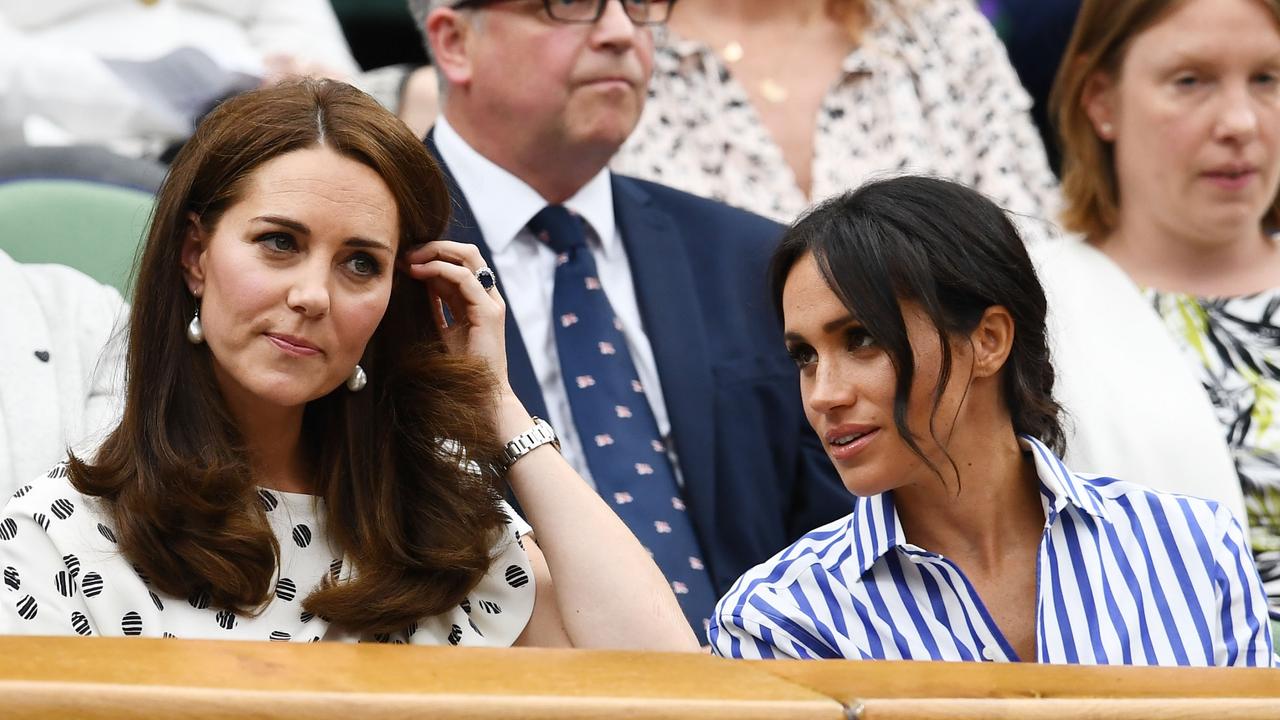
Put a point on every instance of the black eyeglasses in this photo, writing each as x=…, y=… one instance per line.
x=588, y=12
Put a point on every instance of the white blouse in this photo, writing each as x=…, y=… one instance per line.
x=63, y=575
x=928, y=90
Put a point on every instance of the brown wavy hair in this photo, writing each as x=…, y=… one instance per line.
x=416, y=524
x=1103, y=32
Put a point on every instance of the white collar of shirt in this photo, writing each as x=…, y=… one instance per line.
x=503, y=204
x=876, y=528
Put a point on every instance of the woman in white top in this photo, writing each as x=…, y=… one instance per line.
x=312, y=441
x=1170, y=121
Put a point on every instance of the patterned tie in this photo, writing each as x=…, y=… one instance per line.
x=619, y=434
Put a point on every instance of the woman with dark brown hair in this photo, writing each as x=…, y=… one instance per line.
x=316, y=406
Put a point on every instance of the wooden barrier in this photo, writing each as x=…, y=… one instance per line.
x=111, y=678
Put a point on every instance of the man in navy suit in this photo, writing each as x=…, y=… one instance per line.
x=537, y=97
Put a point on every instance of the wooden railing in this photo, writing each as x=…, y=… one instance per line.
x=101, y=678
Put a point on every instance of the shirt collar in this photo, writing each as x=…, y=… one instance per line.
x=875, y=528
x=1058, y=485
x=503, y=203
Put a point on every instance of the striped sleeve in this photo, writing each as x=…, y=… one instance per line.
x=1245, y=630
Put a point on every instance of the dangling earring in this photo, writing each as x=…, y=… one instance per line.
x=358, y=380
x=195, y=331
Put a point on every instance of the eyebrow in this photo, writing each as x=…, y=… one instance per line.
x=827, y=328
x=357, y=242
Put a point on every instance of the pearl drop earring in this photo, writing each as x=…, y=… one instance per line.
x=357, y=380
x=195, y=331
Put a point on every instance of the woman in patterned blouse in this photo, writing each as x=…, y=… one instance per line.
x=316, y=406
x=768, y=105
x=1170, y=120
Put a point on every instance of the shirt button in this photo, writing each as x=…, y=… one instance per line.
x=988, y=653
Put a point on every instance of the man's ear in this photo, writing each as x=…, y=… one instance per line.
x=194, y=243
x=992, y=341
x=450, y=34
x=1098, y=98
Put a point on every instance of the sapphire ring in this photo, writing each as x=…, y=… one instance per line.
x=487, y=279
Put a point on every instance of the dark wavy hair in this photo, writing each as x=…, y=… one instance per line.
x=417, y=525
x=952, y=251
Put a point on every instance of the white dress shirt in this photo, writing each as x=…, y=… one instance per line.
x=503, y=205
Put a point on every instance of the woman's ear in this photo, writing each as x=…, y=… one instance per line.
x=992, y=341
x=194, y=243
x=1098, y=98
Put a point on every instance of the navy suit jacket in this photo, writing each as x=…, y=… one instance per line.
x=755, y=475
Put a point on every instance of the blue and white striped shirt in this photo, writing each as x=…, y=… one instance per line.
x=1125, y=575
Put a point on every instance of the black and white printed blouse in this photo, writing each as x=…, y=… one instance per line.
x=64, y=575
x=929, y=90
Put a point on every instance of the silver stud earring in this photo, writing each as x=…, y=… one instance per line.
x=358, y=380
x=195, y=331
x=1107, y=130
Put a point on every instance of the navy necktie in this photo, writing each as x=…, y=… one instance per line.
x=619, y=434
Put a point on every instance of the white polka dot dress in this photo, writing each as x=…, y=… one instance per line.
x=63, y=574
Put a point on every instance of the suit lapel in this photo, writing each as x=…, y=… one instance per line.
x=463, y=228
x=669, y=308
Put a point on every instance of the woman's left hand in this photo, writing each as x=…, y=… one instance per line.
x=475, y=324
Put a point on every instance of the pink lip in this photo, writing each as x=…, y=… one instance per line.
x=609, y=81
x=845, y=453
x=293, y=345
x=1231, y=177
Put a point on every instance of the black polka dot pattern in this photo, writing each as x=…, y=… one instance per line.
x=226, y=620
x=268, y=499
x=62, y=508
x=65, y=585
x=91, y=586
x=200, y=600
x=21, y=491
x=73, y=564
x=280, y=636
x=11, y=579
x=131, y=624
x=42, y=520
x=155, y=600
x=465, y=605
x=490, y=607
x=80, y=624
x=335, y=569
x=516, y=576
x=106, y=533
x=28, y=608
x=306, y=617
x=8, y=529
x=301, y=535
x=58, y=471
x=455, y=635
x=286, y=589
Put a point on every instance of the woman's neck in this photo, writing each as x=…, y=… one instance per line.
x=977, y=516
x=273, y=437
x=1236, y=261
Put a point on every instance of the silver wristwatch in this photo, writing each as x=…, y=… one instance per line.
x=540, y=434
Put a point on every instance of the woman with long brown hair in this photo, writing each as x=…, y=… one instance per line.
x=316, y=406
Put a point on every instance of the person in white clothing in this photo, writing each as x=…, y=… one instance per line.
x=60, y=364
x=1169, y=297
x=57, y=84
x=317, y=426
